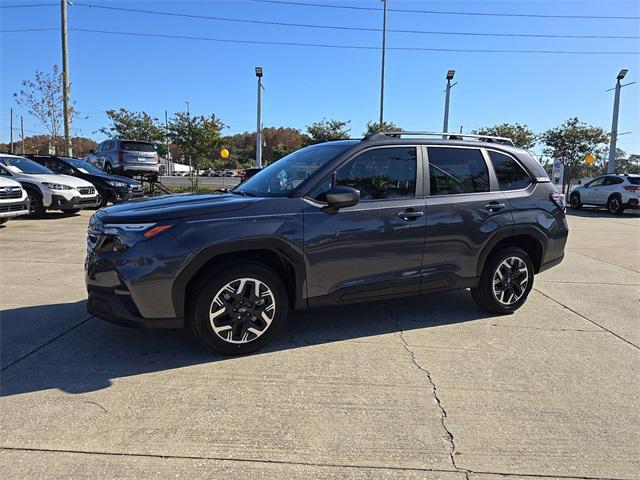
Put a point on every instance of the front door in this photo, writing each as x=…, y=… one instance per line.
x=373, y=249
x=464, y=209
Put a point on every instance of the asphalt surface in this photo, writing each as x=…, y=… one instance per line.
x=424, y=388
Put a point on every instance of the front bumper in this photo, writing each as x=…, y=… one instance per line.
x=58, y=202
x=140, y=167
x=119, y=196
x=120, y=310
x=10, y=209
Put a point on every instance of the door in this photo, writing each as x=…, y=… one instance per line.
x=593, y=191
x=373, y=249
x=464, y=209
x=609, y=186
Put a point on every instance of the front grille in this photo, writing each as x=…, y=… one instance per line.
x=136, y=188
x=87, y=190
x=87, y=201
x=12, y=208
x=10, y=192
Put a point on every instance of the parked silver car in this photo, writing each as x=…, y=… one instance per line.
x=126, y=156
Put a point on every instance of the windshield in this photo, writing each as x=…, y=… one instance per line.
x=138, y=146
x=84, y=167
x=284, y=176
x=23, y=165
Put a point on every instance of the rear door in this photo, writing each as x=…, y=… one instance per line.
x=375, y=248
x=464, y=209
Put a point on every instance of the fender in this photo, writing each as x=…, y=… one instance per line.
x=288, y=253
x=500, y=235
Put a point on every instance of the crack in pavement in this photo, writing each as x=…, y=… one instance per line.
x=587, y=319
x=604, y=261
x=443, y=413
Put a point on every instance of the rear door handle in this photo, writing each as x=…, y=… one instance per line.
x=410, y=214
x=494, y=206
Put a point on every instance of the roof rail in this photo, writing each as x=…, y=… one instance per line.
x=444, y=135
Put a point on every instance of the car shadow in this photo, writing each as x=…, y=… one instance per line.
x=87, y=354
x=49, y=216
x=595, y=212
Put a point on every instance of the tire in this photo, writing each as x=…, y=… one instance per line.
x=72, y=211
x=485, y=295
x=104, y=199
x=574, y=201
x=614, y=205
x=230, y=291
x=36, y=208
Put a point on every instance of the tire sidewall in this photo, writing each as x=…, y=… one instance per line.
x=577, y=203
x=619, y=209
x=35, y=196
x=487, y=279
x=200, y=322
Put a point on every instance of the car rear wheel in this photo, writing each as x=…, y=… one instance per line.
x=239, y=309
x=108, y=168
x=505, y=282
x=614, y=205
x=574, y=201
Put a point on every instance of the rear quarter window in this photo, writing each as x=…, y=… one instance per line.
x=634, y=180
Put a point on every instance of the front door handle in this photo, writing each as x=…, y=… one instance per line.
x=410, y=214
x=494, y=206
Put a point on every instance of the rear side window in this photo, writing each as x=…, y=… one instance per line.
x=511, y=176
x=457, y=170
x=614, y=181
x=382, y=173
x=634, y=180
x=137, y=146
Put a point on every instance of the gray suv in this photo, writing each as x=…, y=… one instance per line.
x=126, y=156
x=387, y=216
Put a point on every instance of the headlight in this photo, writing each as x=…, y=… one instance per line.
x=120, y=236
x=56, y=186
x=117, y=184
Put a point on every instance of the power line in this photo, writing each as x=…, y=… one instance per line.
x=356, y=47
x=440, y=12
x=30, y=30
x=28, y=5
x=343, y=27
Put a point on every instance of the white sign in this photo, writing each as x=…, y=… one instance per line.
x=557, y=172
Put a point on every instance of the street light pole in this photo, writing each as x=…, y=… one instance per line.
x=445, y=125
x=190, y=146
x=65, y=80
x=384, y=49
x=611, y=165
x=259, y=123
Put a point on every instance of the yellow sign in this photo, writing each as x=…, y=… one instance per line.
x=224, y=153
x=589, y=159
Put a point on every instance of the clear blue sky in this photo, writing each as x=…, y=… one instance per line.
x=305, y=84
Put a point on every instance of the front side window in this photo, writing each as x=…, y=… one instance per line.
x=23, y=165
x=381, y=174
x=457, y=171
x=597, y=182
x=511, y=176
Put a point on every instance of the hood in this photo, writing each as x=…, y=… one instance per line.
x=74, y=182
x=116, y=178
x=172, y=207
x=7, y=182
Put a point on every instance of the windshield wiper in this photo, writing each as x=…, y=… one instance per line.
x=243, y=193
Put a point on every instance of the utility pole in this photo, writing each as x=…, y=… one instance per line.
x=65, y=80
x=11, y=130
x=611, y=165
x=22, y=134
x=384, y=49
x=259, y=124
x=190, y=160
x=166, y=134
x=445, y=126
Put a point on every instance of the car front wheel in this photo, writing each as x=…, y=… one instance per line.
x=575, y=202
x=239, y=309
x=505, y=282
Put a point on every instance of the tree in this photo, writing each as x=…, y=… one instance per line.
x=521, y=135
x=327, y=130
x=571, y=142
x=133, y=126
x=373, y=127
x=42, y=97
x=627, y=163
x=199, y=138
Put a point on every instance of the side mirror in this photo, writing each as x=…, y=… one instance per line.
x=342, y=197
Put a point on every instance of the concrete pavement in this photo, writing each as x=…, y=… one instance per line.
x=429, y=388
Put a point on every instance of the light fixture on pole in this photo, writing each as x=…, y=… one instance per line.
x=611, y=165
x=450, y=75
x=384, y=49
x=259, y=123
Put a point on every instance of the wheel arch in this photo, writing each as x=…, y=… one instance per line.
x=530, y=239
x=282, y=259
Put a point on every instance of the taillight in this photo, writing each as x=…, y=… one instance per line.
x=559, y=200
x=120, y=157
x=632, y=188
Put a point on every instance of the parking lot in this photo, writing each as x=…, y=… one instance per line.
x=424, y=388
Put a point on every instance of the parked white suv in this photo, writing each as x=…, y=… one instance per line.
x=616, y=192
x=13, y=199
x=47, y=190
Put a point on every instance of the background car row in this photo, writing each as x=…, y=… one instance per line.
x=32, y=186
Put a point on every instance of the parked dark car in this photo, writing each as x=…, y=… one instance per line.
x=111, y=188
x=247, y=173
x=330, y=224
